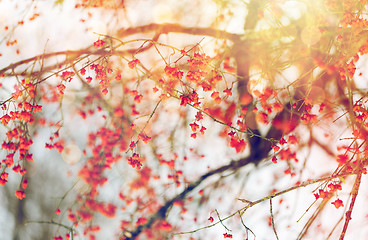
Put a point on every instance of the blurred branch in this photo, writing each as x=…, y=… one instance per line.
x=48, y=55
x=70, y=229
x=75, y=55
x=243, y=59
x=176, y=28
x=324, y=147
x=161, y=213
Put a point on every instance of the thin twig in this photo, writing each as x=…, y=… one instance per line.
x=303, y=184
x=333, y=229
x=218, y=215
x=354, y=194
x=272, y=220
x=246, y=228
x=70, y=229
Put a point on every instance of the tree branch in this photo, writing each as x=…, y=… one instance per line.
x=161, y=213
x=170, y=27
x=272, y=220
x=352, y=203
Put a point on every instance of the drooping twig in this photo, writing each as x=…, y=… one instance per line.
x=272, y=220
x=246, y=228
x=70, y=229
x=352, y=203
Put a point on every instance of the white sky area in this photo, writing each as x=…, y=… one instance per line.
x=62, y=28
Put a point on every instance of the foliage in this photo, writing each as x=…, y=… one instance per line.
x=170, y=125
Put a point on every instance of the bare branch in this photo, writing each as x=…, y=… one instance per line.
x=161, y=213
x=272, y=220
x=354, y=194
x=176, y=28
